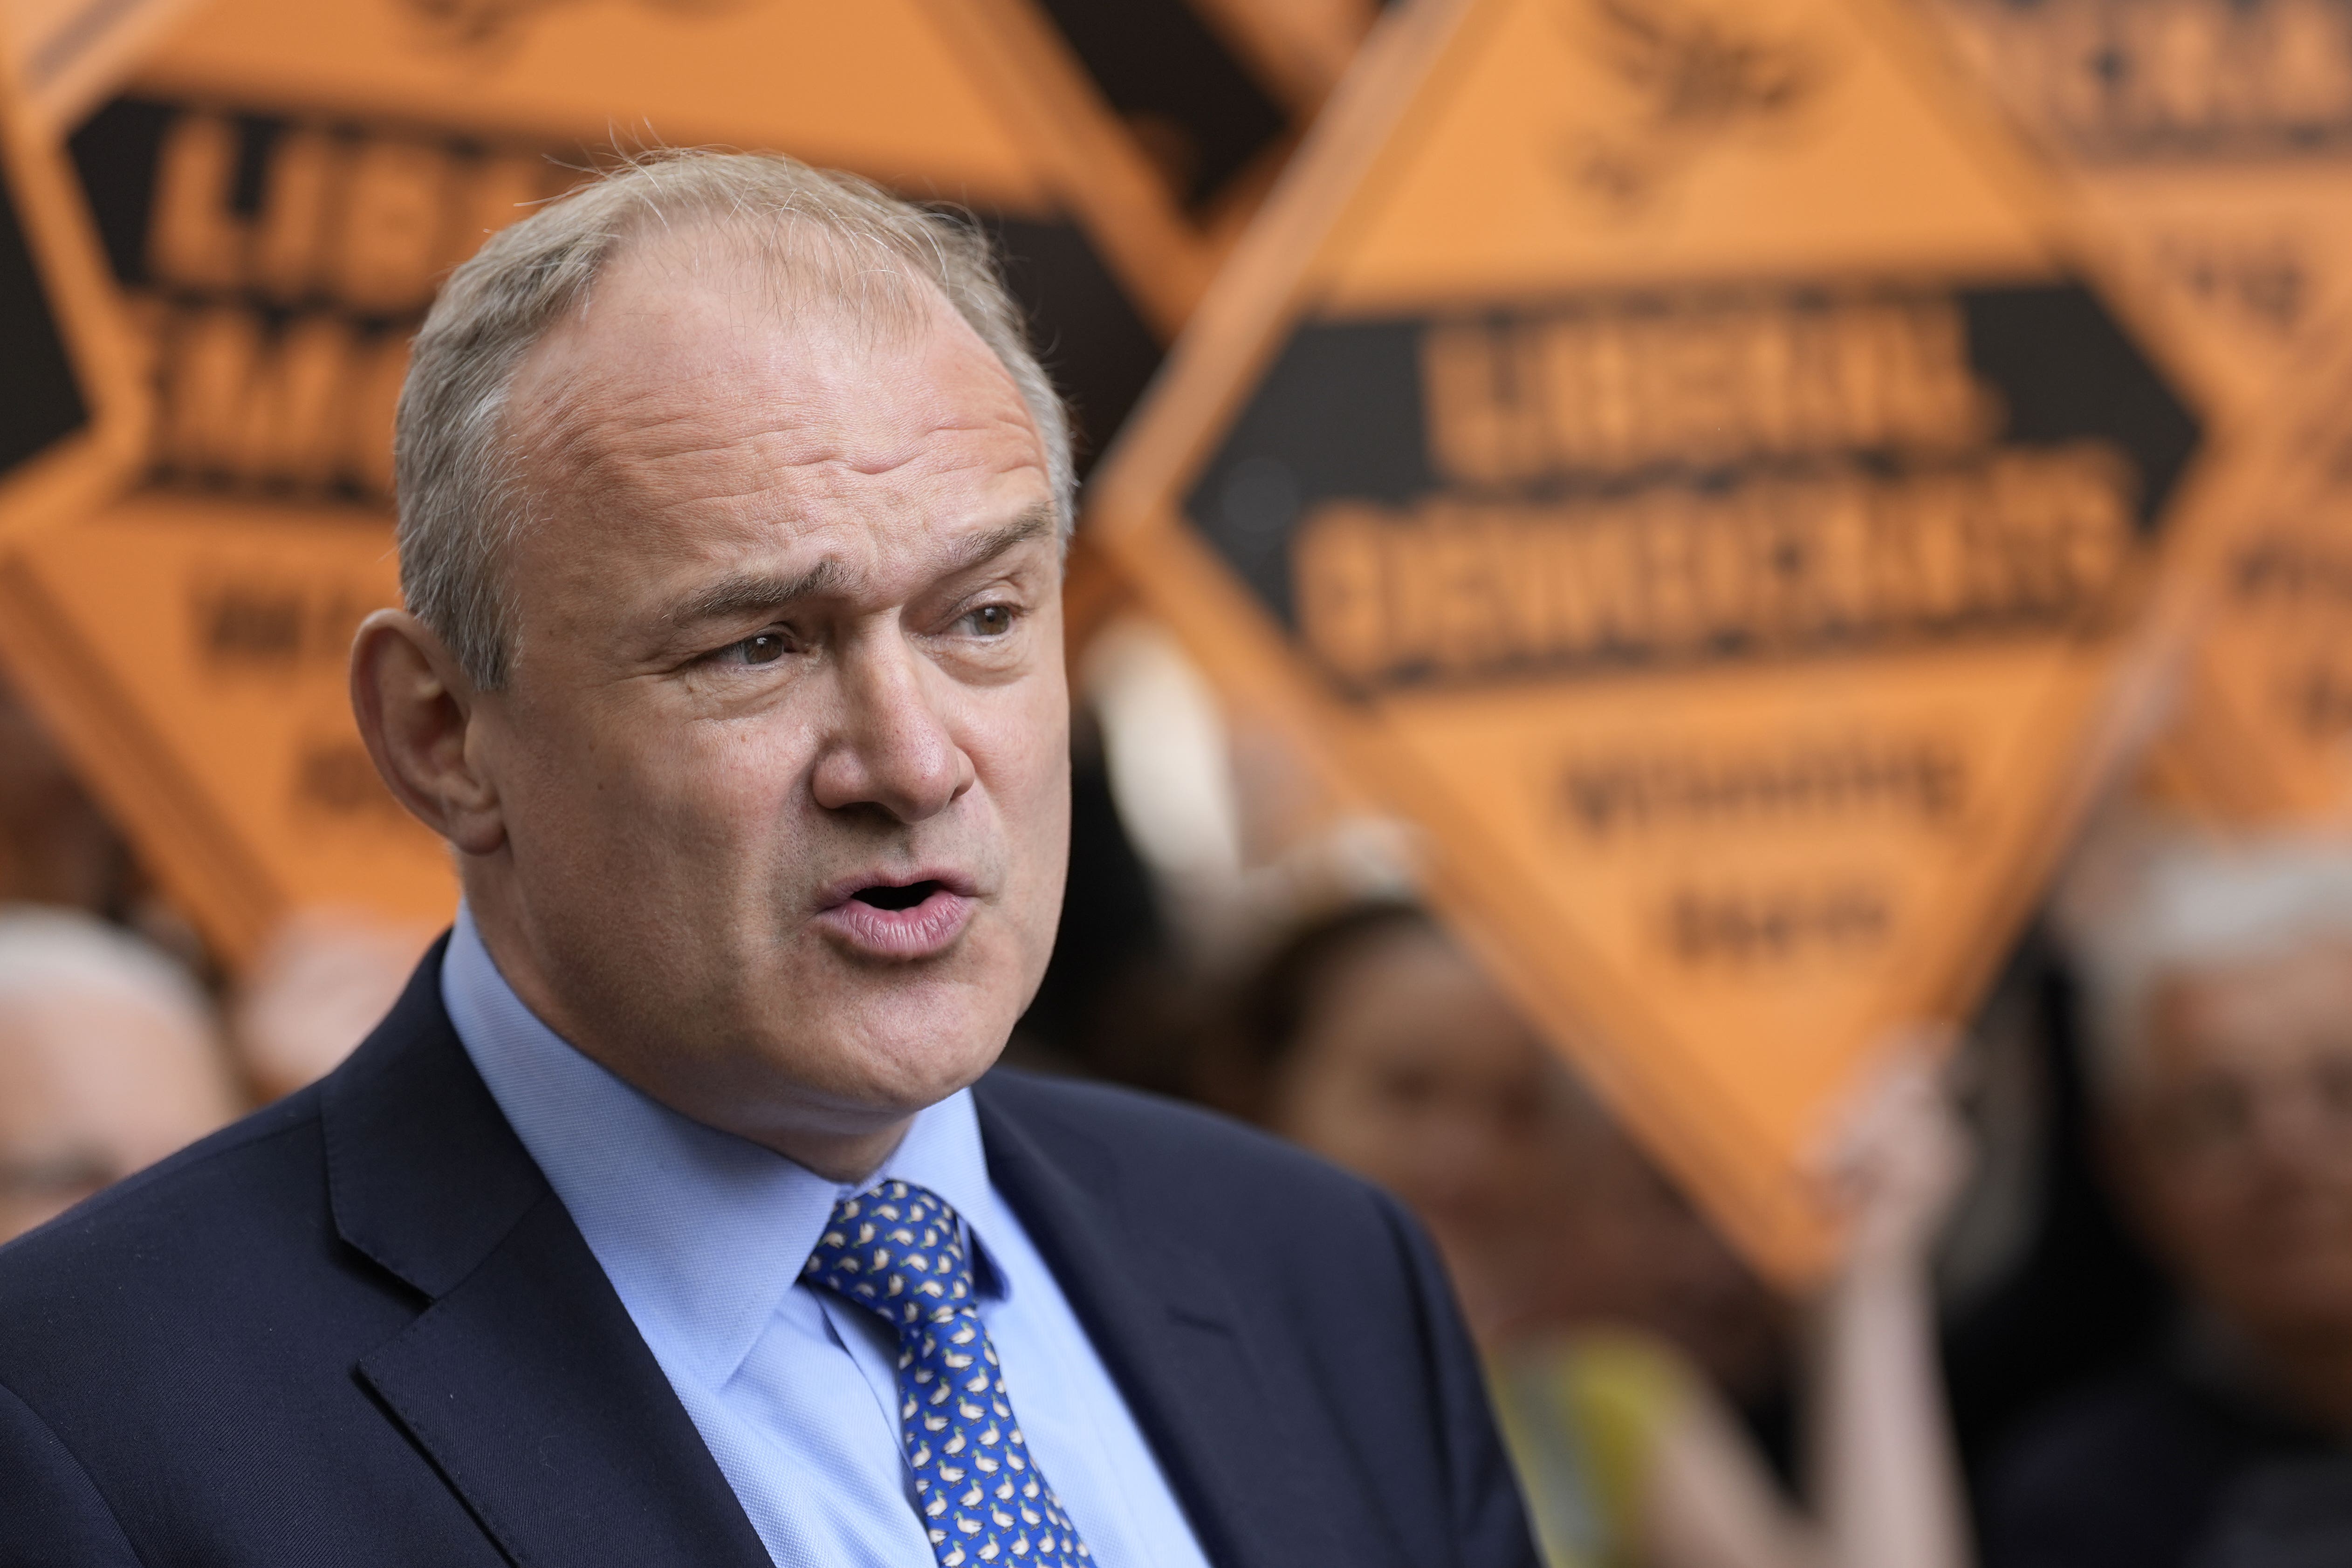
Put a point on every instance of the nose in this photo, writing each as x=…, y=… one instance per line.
x=891, y=749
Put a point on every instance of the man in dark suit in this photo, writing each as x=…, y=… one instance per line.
x=674, y=1214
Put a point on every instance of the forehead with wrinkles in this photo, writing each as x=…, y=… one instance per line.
x=696, y=416
x=704, y=372
x=703, y=337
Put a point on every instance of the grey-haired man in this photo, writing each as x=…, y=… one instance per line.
x=669, y=1217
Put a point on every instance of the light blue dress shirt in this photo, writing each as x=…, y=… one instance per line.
x=794, y=1390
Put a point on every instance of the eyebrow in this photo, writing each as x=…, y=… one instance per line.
x=740, y=594
x=1037, y=522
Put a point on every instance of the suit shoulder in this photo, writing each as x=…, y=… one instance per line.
x=1199, y=1157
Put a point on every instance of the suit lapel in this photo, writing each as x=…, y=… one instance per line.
x=532, y=1392
x=1167, y=1330
x=523, y=1379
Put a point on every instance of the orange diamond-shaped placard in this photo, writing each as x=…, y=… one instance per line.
x=72, y=406
x=69, y=55
x=2214, y=138
x=1669, y=450
x=279, y=187
x=2263, y=727
x=70, y=402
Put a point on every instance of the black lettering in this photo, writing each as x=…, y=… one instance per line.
x=260, y=625
x=1723, y=927
x=2149, y=80
x=285, y=265
x=2288, y=572
x=1914, y=778
x=2025, y=541
x=2320, y=698
x=336, y=778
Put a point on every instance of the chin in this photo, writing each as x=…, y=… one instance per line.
x=930, y=1072
x=927, y=1030
x=899, y=1060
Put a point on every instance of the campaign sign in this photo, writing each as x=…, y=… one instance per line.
x=1672, y=451
x=281, y=185
x=66, y=55
x=70, y=401
x=1203, y=99
x=2263, y=731
x=2215, y=138
x=72, y=406
x=1300, y=49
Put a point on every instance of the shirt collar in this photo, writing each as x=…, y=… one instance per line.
x=701, y=1232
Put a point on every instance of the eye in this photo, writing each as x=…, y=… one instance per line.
x=989, y=620
x=760, y=648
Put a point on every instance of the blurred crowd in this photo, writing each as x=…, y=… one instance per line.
x=2096, y=1303
x=122, y=1038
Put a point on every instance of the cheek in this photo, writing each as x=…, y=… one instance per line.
x=1020, y=754
x=632, y=802
x=737, y=777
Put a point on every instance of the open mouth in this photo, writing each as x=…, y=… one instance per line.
x=897, y=920
x=881, y=896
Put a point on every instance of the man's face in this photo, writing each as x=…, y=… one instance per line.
x=2238, y=1138
x=782, y=762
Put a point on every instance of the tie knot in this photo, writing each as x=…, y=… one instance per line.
x=897, y=1250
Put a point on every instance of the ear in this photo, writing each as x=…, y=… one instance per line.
x=417, y=713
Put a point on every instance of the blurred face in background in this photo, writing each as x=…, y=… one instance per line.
x=2236, y=1139
x=321, y=982
x=95, y=1085
x=1412, y=1070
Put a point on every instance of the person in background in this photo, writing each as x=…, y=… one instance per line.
x=1601, y=1302
x=674, y=1213
x=2219, y=976
x=108, y=1060
x=60, y=850
x=314, y=991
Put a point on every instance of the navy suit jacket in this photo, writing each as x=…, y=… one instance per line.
x=359, y=1327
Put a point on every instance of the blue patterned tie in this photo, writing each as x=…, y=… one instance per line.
x=896, y=1250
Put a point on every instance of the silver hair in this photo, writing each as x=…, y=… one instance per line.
x=455, y=469
x=2175, y=902
x=46, y=952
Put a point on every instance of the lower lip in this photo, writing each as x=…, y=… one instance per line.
x=921, y=931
